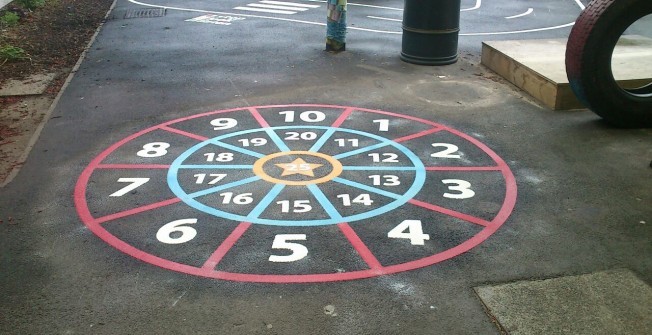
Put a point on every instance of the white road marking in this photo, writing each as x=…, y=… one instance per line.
x=215, y=19
x=262, y=5
x=350, y=28
x=272, y=11
x=276, y=7
x=521, y=31
x=478, y=3
x=384, y=18
x=289, y=4
x=579, y=3
x=362, y=5
x=528, y=12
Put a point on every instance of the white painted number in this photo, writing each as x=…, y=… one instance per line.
x=221, y=157
x=414, y=232
x=175, y=233
x=256, y=142
x=364, y=199
x=223, y=123
x=154, y=149
x=449, y=152
x=135, y=183
x=294, y=136
x=461, y=186
x=216, y=177
x=389, y=158
x=342, y=142
x=298, y=206
x=383, y=125
x=239, y=199
x=307, y=116
x=299, y=251
x=385, y=180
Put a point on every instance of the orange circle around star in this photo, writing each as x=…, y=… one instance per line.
x=298, y=166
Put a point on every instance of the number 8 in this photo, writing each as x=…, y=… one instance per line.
x=154, y=149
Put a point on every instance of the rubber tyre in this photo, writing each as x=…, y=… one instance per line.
x=588, y=62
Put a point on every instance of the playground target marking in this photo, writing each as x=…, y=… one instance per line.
x=295, y=193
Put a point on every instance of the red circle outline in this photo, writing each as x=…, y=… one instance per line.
x=91, y=222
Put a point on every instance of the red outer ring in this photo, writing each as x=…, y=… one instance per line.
x=97, y=229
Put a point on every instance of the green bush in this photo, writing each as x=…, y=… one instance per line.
x=30, y=4
x=10, y=53
x=9, y=19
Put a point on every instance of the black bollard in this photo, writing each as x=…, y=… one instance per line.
x=430, y=31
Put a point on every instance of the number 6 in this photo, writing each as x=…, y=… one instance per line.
x=164, y=234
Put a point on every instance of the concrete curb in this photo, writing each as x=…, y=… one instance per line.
x=32, y=141
x=4, y=3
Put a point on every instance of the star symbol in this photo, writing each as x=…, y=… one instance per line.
x=298, y=166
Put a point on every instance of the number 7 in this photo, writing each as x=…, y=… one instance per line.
x=135, y=183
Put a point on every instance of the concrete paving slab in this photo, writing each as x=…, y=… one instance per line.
x=609, y=302
x=33, y=85
x=538, y=66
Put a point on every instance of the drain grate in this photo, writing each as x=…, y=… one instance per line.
x=136, y=13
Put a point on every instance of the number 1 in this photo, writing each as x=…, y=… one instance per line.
x=383, y=124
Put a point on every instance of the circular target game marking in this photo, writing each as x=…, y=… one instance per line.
x=276, y=193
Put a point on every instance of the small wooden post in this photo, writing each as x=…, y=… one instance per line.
x=336, y=26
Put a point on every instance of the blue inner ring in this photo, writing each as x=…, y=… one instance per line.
x=335, y=217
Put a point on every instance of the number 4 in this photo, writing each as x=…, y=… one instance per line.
x=414, y=232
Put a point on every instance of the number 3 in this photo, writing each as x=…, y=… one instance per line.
x=461, y=186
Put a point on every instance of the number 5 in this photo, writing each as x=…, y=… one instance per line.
x=299, y=251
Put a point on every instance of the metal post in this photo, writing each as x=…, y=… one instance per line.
x=336, y=25
x=430, y=31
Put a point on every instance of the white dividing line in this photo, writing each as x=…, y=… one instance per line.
x=579, y=3
x=272, y=11
x=529, y=11
x=289, y=4
x=361, y=5
x=520, y=31
x=478, y=3
x=262, y=5
x=276, y=7
x=384, y=18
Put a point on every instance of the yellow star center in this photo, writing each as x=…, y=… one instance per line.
x=298, y=166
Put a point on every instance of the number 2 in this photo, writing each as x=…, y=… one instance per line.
x=449, y=152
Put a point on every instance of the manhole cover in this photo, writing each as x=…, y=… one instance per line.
x=136, y=13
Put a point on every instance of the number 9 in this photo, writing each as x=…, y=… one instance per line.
x=223, y=123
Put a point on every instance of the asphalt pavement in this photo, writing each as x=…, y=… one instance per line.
x=212, y=170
